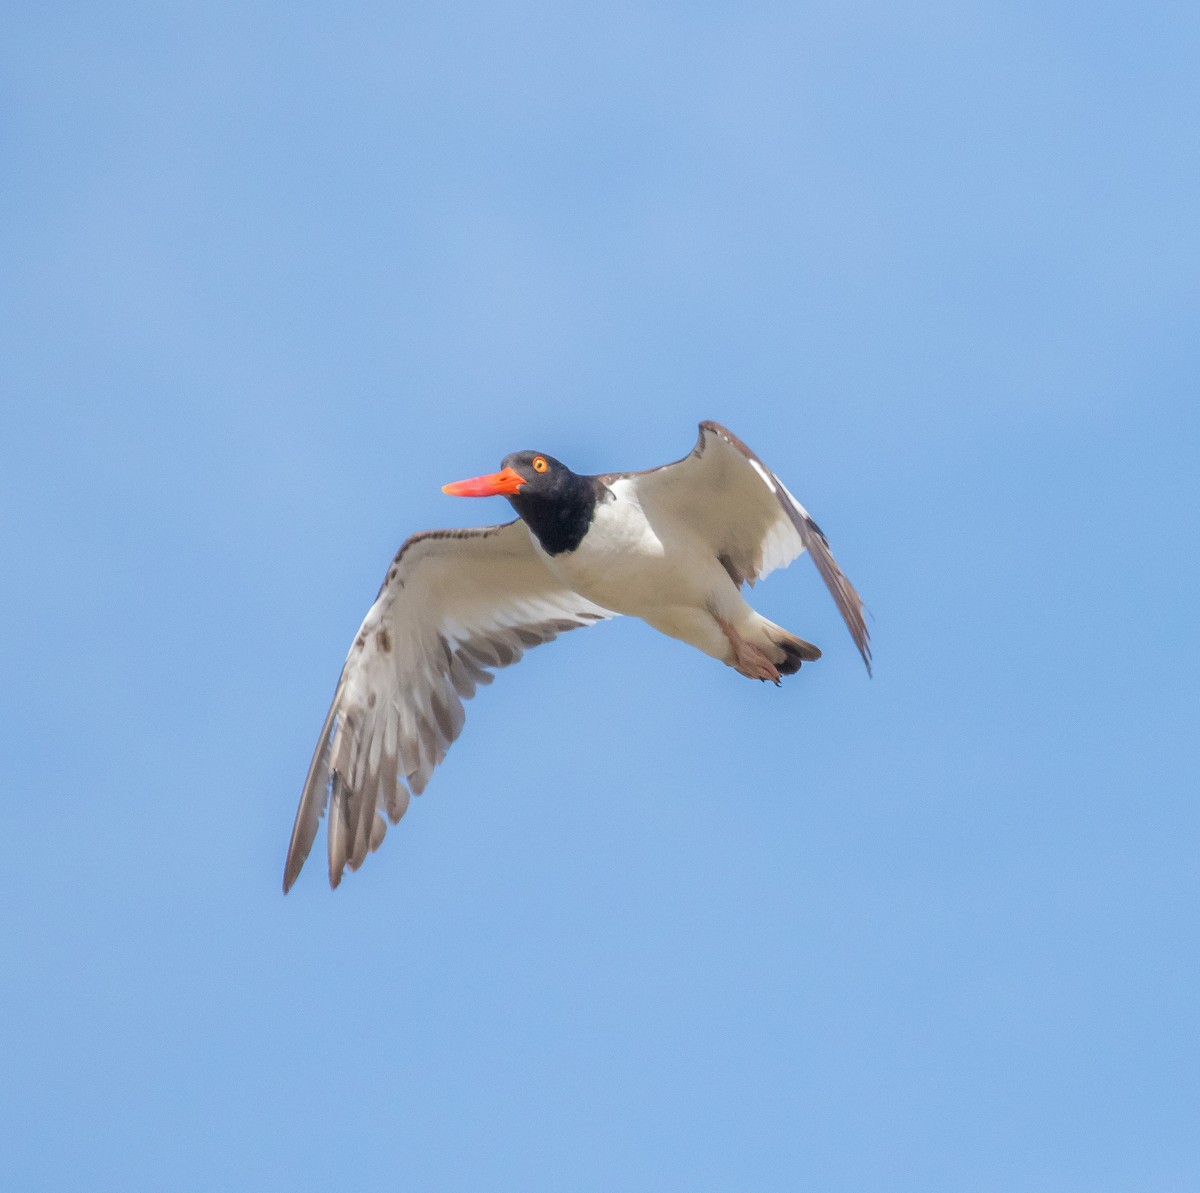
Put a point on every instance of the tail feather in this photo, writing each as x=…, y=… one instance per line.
x=787, y=651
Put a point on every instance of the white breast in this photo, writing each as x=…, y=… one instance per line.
x=627, y=565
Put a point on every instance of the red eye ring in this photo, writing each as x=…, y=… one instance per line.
x=539, y=464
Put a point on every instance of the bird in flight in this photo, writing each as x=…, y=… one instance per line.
x=673, y=546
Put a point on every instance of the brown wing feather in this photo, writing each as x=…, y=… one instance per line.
x=844, y=594
x=724, y=491
x=455, y=605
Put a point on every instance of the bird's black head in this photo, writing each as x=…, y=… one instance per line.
x=554, y=502
x=544, y=476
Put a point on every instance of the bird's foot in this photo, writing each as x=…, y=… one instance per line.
x=748, y=660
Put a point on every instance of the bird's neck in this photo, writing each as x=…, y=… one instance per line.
x=561, y=518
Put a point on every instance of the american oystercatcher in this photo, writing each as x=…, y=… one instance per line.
x=672, y=546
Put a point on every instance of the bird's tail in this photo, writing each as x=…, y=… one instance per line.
x=784, y=649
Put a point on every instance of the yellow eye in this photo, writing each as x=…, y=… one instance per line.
x=539, y=464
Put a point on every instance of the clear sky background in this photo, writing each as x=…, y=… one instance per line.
x=273, y=273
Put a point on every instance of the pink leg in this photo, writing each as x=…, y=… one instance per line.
x=748, y=660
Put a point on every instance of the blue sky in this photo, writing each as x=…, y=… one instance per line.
x=275, y=273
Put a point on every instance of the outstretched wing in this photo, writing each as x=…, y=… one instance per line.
x=455, y=605
x=727, y=495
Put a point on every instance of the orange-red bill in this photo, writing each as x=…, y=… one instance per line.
x=507, y=480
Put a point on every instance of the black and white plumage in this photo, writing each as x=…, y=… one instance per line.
x=672, y=545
